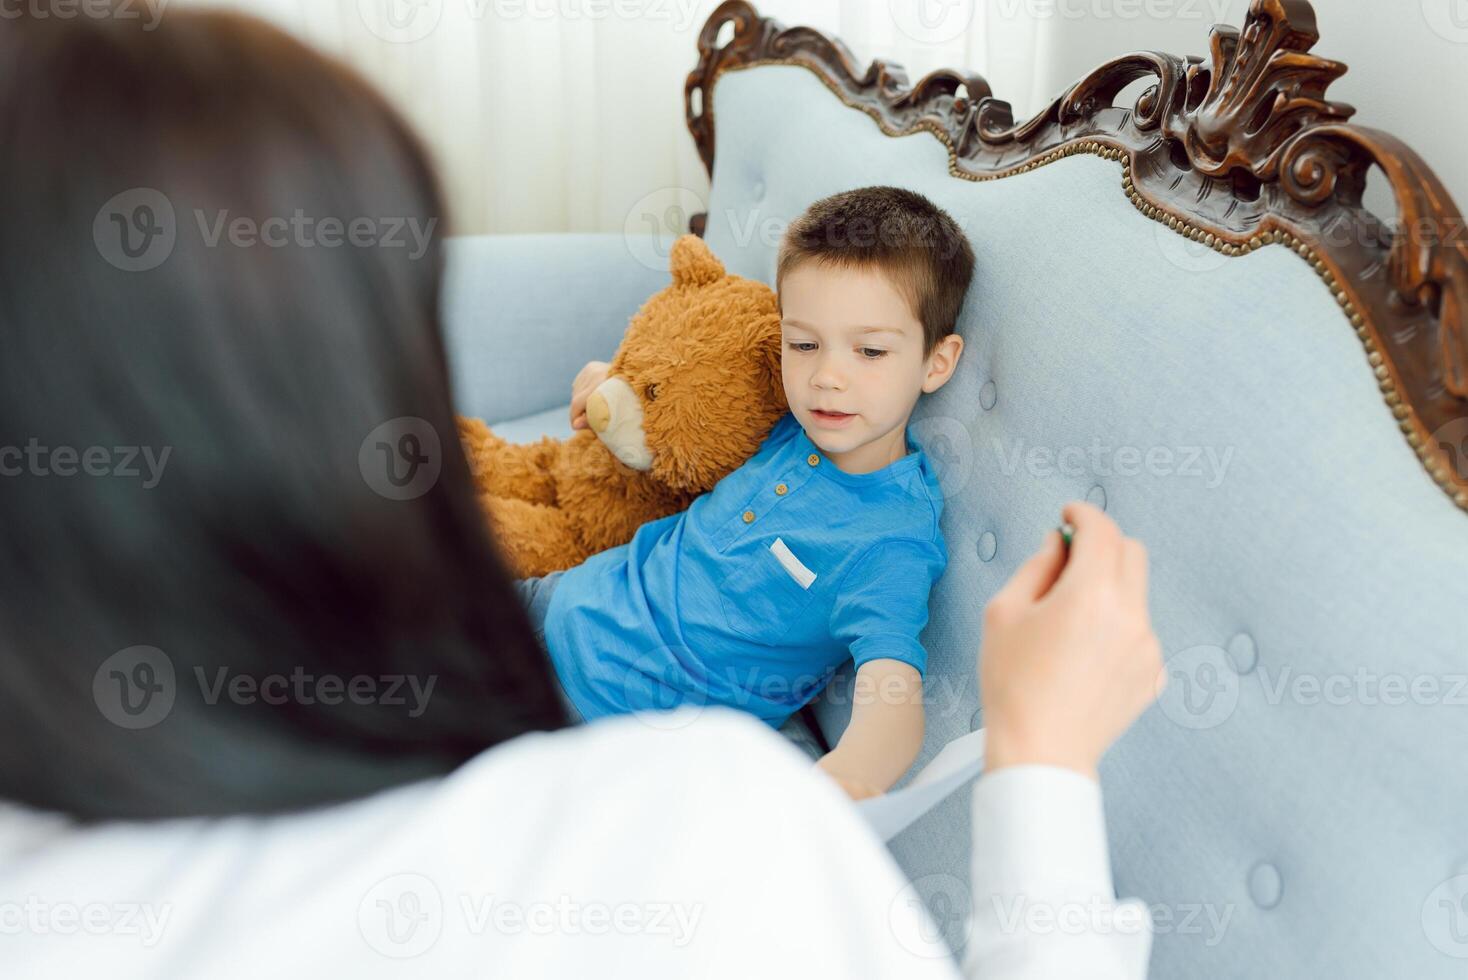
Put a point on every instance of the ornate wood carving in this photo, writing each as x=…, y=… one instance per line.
x=1239, y=152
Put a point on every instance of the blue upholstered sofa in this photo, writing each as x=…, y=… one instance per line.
x=1182, y=313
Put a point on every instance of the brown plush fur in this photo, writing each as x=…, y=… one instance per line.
x=710, y=343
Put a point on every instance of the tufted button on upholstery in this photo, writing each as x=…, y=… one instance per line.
x=988, y=395
x=988, y=545
x=748, y=516
x=1243, y=653
x=781, y=489
x=1265, y=885
x=1097, y=495
x=812, y=459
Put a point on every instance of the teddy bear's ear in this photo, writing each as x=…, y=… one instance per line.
x=692, y=264
x=766, y=340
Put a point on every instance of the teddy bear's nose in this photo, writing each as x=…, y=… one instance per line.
x=598, y=412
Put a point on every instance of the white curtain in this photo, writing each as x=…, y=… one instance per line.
x=542, y=115
x=567, y=115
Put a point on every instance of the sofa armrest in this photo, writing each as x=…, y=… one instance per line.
x=523, y=313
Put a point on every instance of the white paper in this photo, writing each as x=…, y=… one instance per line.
x=956, y=765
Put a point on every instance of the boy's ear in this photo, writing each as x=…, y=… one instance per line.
x=942, y=362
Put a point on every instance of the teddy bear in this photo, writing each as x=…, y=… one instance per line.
x=690, y=395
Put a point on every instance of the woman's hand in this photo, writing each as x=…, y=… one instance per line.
x=586, y=382
x=1069, y=658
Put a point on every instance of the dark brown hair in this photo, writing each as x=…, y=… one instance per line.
x=911, y=240
x=267, y=546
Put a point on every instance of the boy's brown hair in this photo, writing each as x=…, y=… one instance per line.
x=915, y=243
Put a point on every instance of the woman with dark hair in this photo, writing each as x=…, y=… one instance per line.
x=250, y=369
x=271, y=702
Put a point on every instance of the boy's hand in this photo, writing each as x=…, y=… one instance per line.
x=586, y=382
x=1069, y=657
x=853, y=786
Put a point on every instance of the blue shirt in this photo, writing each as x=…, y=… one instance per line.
x=758, y=592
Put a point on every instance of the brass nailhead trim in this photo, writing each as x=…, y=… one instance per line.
x=1407, y=422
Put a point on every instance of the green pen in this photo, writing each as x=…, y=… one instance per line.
x=1067, y=531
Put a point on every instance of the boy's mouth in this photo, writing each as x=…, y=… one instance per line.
x=832, y=419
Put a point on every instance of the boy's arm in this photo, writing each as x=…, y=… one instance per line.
x=886, y=729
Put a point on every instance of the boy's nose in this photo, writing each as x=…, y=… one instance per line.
x=825, y=378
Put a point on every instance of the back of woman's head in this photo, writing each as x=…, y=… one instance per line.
x=241, y=563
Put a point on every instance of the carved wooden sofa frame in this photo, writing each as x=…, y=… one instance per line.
x=1241, y=152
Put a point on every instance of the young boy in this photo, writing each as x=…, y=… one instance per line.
x=824, y=545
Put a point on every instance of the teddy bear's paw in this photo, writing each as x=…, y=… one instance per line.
x=507, y=469
x=535, y=539
x=479, y=442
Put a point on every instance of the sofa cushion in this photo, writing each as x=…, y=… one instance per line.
x=554, y=422
x=1291, y=805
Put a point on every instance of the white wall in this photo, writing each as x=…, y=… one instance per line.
x=558, y=119
x=1408, y=75
x=1408, y=59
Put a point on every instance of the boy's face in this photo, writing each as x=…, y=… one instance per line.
x=851, y=344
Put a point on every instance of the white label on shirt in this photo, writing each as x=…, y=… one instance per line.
x=792, y=564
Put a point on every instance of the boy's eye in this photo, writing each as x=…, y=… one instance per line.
x=870, y=353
